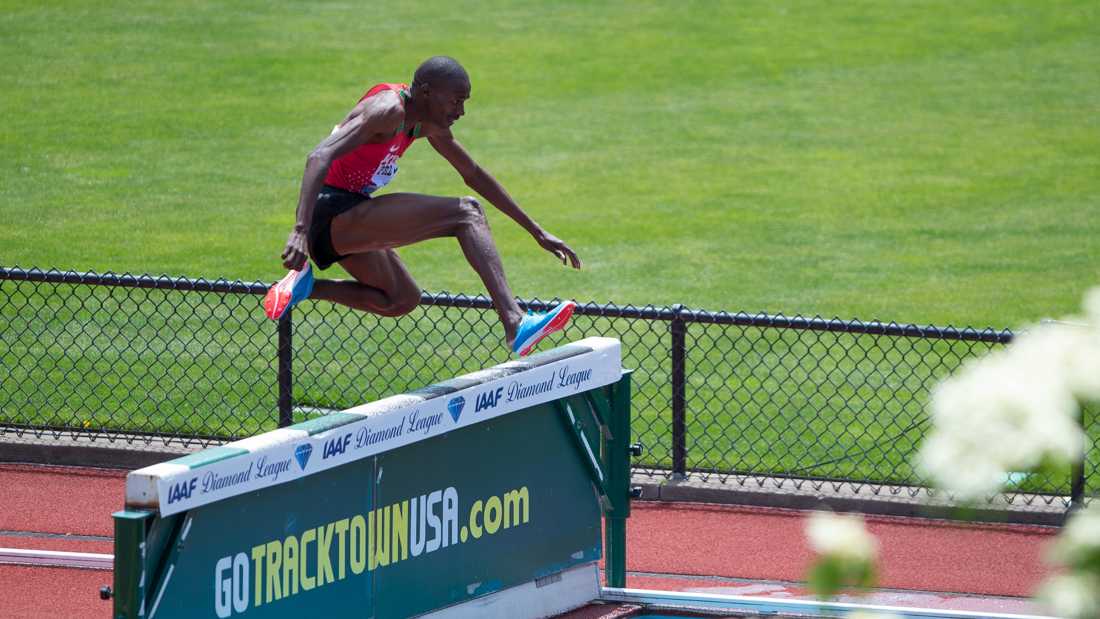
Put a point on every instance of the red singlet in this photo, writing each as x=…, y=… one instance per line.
x=369, y=167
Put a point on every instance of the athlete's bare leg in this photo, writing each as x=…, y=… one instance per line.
x=382, y=284
x=399, y=219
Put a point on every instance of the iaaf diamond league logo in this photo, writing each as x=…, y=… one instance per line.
x=455, y=407
x=301, y=453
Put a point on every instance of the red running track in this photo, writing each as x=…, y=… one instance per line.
x=769, y=544
x=688, y=547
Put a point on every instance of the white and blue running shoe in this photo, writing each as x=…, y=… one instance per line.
x=290, y=290
x=534, y=327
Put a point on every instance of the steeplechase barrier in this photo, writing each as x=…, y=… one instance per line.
x=482, y=496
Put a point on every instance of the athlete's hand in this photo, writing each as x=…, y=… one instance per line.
x=556, y=246
x=294, y=256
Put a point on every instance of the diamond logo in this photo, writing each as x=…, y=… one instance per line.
x=455, y=407
x=301, y=453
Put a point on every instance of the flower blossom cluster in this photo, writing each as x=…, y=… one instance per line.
x=1015, y=409
x=846, y=553
x=1075, y=591
x=870, y=614
x=840, y=536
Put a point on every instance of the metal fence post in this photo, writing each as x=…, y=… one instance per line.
x=678, y=329
x=1077, y=485
x=286, y=384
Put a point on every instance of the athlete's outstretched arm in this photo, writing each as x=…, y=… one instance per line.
x=481, y=181
x=378, y=116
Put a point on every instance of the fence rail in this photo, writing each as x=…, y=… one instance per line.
x=722, y=396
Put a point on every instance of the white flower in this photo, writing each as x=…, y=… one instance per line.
x=841, y=536
x=1092, y=307
x=1076, y=592
x=1079, y=541
x=870, y=614
x=1068, y=352
x=1009, y=411
x=1074, y=596
x=959, y=466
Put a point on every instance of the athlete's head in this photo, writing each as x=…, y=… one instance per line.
x=444, y=86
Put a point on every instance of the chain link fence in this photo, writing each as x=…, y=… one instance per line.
x=725, y=398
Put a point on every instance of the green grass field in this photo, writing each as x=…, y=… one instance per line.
x=929, y=162
x=919, y=161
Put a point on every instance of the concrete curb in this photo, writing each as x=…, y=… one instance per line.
x=76, y=450
x=846, y=497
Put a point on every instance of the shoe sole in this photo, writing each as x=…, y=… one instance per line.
x=279, y=296
x=555, y=324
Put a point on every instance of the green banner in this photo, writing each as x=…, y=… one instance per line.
x=435, y=523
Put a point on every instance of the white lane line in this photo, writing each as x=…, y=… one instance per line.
x=56, y=558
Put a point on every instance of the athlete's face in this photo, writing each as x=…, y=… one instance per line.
x=448, y=102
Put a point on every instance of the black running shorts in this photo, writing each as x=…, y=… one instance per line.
x=330, y=202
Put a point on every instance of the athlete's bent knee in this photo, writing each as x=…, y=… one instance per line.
x=471, y=210
x=399, y=302
x=403, y=305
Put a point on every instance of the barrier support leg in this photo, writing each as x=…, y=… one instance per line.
x=617, y=458
x=131, y=527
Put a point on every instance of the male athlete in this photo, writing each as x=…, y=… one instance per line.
x=338, y=220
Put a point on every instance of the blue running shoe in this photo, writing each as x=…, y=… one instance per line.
x=534, y=327
x=290, y=290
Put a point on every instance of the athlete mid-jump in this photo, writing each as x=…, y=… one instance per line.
x=339, y=222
